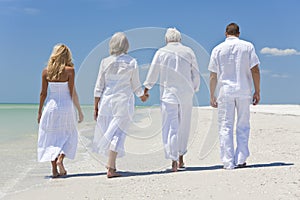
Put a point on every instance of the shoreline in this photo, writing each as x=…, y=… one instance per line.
x=273, y=172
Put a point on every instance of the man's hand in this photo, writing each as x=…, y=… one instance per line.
x=213, y=102
x=256, y=98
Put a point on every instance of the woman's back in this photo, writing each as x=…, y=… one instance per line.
x=118, y=73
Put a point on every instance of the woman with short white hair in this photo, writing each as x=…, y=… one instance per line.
x=117, y=81
x=172, y=35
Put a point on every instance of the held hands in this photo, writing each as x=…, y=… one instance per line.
x=144, y=97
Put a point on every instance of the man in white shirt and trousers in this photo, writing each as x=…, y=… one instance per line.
x=233, y=66
x=177, y=67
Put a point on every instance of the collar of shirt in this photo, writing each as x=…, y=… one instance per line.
x=173, y=43
x=232, y=38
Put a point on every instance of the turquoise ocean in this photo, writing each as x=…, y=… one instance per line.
x=19, y=168
x=18, y=143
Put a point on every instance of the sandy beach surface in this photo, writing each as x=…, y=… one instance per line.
x=273, y=170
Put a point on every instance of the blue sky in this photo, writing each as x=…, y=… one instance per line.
x=30, y=28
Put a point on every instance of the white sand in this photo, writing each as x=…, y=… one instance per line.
x=273, y=172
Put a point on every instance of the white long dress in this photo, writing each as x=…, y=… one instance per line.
x=117, y=81
x=57, y=129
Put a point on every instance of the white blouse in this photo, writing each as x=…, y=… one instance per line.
x=118, y=79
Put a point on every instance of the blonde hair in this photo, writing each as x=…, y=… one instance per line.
x=61, y=57
x=118, y=44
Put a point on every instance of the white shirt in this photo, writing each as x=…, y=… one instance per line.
x=177, y=67
x=232, y=60
x=118, y=78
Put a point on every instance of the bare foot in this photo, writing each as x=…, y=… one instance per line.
x=62, y=170
x=174, y=166
x=181, y=165
x=180, y=162
x=111, y=173
x=55, y=174
x=111, y=168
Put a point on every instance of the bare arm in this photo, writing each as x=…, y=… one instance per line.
x=136, y=84
x=212, y=88
x=43, y=94
x=77, y=105
x=256, y=80
x=96, y=103
x=73, y=93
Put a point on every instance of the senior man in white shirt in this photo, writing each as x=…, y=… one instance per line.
x=177, y=67
x=233, y=66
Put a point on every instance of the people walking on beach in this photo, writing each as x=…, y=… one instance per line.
x=177, y=67
x=58, y=134
x=233, y=66
x=118, y=80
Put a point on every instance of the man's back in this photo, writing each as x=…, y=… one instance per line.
x=233, y=60
x=179, y=76
x=179, y=58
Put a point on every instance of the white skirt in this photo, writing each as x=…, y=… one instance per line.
x=57, y=132
x=110, y=134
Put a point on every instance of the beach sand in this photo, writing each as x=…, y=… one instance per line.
x=273, y=170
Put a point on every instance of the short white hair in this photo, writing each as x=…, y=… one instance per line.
x=173, y=35
x=118, y=44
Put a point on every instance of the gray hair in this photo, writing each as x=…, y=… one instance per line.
x=173, y=35
x=118, y=44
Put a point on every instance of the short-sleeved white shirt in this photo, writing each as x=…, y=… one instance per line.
x=232, y=60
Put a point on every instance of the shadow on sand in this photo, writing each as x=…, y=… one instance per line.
x=78, y=175
x=207, y=168
x=191, y=169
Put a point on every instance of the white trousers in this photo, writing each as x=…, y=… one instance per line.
x=176, y=123
x=227, y=108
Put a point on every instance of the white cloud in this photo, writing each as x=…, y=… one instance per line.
x=280, y=76
x=279, y=52
x=31, y=11
x=264, y=71
x=111, y=4
x=11, y=10
x=269, y=73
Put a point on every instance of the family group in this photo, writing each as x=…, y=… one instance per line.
x=234, y=71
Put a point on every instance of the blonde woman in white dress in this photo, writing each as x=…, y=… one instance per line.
x=57, y=121
x=117, y=81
